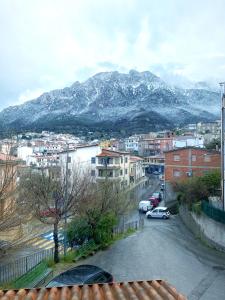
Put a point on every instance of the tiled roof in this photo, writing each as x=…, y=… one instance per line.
x=111, y=153
x=136, y=290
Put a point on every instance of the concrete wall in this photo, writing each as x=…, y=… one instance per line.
x=208, y=230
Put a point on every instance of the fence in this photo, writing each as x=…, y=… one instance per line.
x=212, y=212
x=131, y=225
x=17, y=268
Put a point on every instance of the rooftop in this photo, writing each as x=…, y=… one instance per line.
x=111, y=153
x=136, y=290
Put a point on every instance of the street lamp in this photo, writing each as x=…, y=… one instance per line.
x=222, y=85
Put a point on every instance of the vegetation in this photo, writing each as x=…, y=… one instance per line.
x=196, y=189
x=28, y=278
x=215, y=144
x=9, y=217
x=49, y=197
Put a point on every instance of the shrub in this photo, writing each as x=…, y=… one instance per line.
x=196, y=208
x=103, y=232
x=78, y=231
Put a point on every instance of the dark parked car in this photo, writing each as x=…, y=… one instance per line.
x=154, y=201
x=83, y=274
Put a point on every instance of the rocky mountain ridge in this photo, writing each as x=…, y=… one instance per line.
x=114, y=102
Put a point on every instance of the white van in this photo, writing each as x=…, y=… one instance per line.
x=144, y=206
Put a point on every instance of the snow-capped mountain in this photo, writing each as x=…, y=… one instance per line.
x=114, y=102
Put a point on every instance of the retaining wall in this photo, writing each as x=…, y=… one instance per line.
x=208, y=230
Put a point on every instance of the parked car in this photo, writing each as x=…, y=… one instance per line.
x=157, y=195
x=145, y=205
x=158, y=212
x=83, y=274
x=154, y=201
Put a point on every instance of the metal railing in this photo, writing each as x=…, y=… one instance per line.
x=123, y=228
x=20, y=266
x=212, y=212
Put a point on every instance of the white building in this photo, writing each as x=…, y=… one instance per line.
x=188, y=141
x=42, y=161
x=23, y=152
x=81, y=157
x=132, y=143
x=137, y=169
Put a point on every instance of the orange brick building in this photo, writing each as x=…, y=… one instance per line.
x=187, y=162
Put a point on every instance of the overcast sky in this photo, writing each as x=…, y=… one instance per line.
x=48, y=44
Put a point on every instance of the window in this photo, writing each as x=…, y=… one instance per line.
x=126, y=171
x=117, y=160
x=176, y=173
x=93, y=160
x=207, y=158
x=121, y=172
x=92, y=172
x=121, y=160
x=176, y=157
x=193, y=157
x=69, y=159
x=126, y=160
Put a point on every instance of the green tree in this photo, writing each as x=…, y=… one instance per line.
x=215, y=144
x=196, y=189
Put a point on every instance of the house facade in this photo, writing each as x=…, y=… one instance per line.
x=183, y=163
x=114, y=166
x=136, y=170
x=81, y=157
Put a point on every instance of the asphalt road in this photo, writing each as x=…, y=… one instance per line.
x=165, y=249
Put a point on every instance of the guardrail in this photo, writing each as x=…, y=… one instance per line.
x=212, y=212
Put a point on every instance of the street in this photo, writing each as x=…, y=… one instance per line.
x=165, y=249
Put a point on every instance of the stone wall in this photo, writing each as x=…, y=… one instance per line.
x=208, y=230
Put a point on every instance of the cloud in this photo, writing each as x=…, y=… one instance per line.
x=48, y=44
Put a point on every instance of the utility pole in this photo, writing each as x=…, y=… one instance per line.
x=222, y=85
x=65, y=202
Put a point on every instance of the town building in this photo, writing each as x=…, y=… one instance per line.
x=154, y=163
x=209, y=127
x=184, y=163
x=155, y=146
x=114, y=166
x=132, y=144
x=187, y=141
x=80, y=158
x=188, y=162
x=137, y=170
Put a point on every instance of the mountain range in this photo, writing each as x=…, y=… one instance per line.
x=113, y=103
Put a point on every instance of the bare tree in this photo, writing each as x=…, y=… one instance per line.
x=50, y=197
x=9, y=217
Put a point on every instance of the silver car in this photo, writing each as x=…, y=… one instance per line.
x=158, y=212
